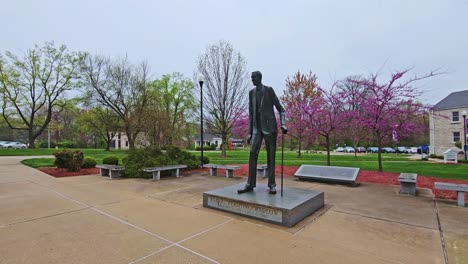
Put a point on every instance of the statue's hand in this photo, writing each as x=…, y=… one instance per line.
x=284, y=129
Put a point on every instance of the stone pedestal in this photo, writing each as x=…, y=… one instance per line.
x=286, y=210
x=408, y=183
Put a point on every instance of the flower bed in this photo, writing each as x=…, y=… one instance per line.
x=56, y=172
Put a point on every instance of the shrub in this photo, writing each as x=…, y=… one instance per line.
x=137, y=159
x=89, y=162
x=61, y=158
x=206, y=160
x=45, y=144
x=204, y=148
x=213, y=147
x=113, y=160
x=178, y=156
x=434, y=156
x=71, y=160
x=67, y=144
x=124, y=159
x=458, y=144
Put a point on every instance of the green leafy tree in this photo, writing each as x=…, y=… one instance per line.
x=100, y=121
x=172, y=106
x=34, y=85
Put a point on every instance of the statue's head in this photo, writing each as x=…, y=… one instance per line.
x=257, y=78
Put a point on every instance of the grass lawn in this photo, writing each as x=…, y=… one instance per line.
x=98, y=154
x=391, y=162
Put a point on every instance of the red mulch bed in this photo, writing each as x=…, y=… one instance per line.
x=386, y=178
x=56, y=172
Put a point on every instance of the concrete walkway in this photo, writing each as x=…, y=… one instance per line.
x=91, y=219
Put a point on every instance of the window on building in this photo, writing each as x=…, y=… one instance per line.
x=455, y=116
x=126, y=143
x=456, y=136
x=216, y=142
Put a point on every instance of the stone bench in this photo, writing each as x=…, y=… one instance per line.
x=113, y=171
x=262, y=171
x=459, y=188
x=328, y=174
x=408, y=183
x=156, y=171
x=214, y=169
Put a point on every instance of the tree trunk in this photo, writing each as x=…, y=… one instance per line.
x=131, y=140
x=299, y=153
x=108, y=142
x=327, y=138
x=223, y=145
x=31, y=140
x=379, y=156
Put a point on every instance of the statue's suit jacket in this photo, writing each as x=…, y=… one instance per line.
x=267, y=115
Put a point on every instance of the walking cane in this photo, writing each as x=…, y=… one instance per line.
x=282, y=162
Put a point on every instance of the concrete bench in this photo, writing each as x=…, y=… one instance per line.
x=156, y=171
x=229, y=169
x=328, y=174
x=262, y=171
x=113, y=171
x=408, y=183
x=459, y=188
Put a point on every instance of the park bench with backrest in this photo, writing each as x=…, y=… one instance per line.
x=113, y=171
x=408, y=183
x=156, y=171
x=229, y=169
x=459, y=188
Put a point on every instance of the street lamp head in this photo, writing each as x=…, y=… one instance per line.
x=201, y=79
x=464, y=114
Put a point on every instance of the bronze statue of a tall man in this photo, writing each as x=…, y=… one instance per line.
x=262, y=125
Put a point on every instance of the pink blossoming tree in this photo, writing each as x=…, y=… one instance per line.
x=388, y=108
x=301, y=91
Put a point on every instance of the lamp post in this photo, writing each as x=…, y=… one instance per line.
x=464, y=132
x=201, y=80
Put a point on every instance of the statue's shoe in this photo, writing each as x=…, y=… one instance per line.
x=246, y=189
x=272, y=190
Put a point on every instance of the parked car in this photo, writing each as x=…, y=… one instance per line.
x=361, y=150
x=401, y=150
x=349, y=149
x=413, y=150
x=339, y=149
x=3, y=143
x=388, y=150
x=16, y=145
x=372, y=149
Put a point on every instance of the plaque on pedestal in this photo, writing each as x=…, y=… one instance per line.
x=287, y=210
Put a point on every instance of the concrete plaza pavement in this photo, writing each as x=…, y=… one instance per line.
x=91, y=219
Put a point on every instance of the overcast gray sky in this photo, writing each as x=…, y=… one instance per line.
x=331, y=38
